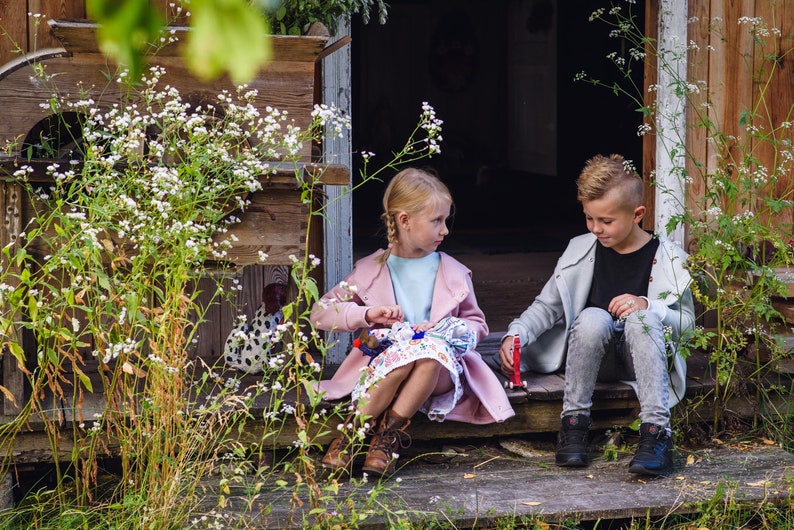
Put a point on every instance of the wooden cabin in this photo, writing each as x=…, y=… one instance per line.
x=298, y=82
x=274, y=223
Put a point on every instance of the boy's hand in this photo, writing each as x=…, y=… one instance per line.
x=506, y=355
x=625, y=304
x=384, y=314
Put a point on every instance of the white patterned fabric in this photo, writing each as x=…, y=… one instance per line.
x=446, y=343
x=249, y=344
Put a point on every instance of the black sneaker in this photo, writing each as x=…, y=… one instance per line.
x=654, y=454
x=572, y=441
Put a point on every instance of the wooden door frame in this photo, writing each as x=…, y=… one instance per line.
x=666, y=24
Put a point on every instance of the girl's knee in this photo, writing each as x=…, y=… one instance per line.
x=427, y=365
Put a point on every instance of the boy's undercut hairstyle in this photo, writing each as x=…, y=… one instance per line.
x=602, y=174
x=411, y=190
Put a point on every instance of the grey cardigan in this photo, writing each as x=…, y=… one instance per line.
x=544, y=326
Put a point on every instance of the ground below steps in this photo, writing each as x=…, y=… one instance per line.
x=487, y=485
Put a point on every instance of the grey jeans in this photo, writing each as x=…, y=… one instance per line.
x=602, y=349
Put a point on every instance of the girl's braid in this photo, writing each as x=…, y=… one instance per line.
x=391, y=233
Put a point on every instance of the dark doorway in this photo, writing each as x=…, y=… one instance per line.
x=517, y=127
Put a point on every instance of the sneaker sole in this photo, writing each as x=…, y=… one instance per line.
x=572, y=462
x=642, y=470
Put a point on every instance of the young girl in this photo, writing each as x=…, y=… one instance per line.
x=434, y=368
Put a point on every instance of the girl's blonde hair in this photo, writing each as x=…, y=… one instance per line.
x=411, y=190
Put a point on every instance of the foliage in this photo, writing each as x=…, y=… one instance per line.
x=740, y=225
x=226, y=37
x=291, y=17
x=111, y=273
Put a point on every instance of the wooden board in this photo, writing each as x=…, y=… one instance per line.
x=78, y=70
x=785, y=306
x=79, y=36
x=483, y=485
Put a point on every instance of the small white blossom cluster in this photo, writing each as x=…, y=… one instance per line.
x=628, y=167
x=332, y=118
x=112, y=351
x=430, y=123
x=170, y=172
x=158, y=361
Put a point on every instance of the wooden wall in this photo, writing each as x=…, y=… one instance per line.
x=21, y=29
x=728, y=69
x=286, y=82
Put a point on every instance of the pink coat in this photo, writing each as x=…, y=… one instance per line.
x=484, y=399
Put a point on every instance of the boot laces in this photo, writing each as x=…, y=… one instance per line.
x=390, y=439
x=573, y=435
x=652, y=443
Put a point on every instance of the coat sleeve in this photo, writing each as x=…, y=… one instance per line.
x=341, y=308
x=672, y=300
x=470, y=311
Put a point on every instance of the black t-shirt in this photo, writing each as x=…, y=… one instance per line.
x=617, y=273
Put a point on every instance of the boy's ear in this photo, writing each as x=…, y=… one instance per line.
x=639, y=213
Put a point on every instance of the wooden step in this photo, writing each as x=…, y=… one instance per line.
x=537, y=409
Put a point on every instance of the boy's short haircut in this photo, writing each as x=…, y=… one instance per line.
x=601, y=174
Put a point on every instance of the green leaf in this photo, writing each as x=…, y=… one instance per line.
x=84, y=379
x=226, y=35
x=16, y=351
x=126, y=29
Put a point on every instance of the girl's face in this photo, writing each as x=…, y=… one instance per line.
x=421, y=233
x=615, y=225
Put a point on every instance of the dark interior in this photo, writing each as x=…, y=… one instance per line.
x=465, y=59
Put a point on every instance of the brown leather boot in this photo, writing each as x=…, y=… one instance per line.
x=339, y=455
x=381, y=458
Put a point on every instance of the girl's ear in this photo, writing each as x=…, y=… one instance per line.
x=402, y=219
x=639, y=213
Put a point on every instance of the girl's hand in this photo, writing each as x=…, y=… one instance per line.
x=506, y=355
x=384, y=314
x=424, y=326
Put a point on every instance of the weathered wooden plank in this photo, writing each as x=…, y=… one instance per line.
x=650, y=77
x=729, y=80
x=79, y=36
x=786, y=276
x=285, y=176
x=14, y=21
x=275, y=223
x=785, y=306
x=281, y=85
x=777, y=97
x=12, y=376
x=208, y=331
x=532, y=416
x=488, y=485
x=52, y=9
x=697, y=69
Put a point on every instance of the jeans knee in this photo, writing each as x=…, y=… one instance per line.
x=643, y=326
x=592, y=325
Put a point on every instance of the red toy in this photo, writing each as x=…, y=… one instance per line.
x=515, y=379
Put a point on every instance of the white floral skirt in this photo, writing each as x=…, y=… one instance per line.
x=446, y=343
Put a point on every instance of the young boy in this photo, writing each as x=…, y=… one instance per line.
x=617, y=301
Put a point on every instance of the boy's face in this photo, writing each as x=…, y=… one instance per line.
x=615, y=224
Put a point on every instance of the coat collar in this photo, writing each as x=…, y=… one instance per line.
x=373, y=277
